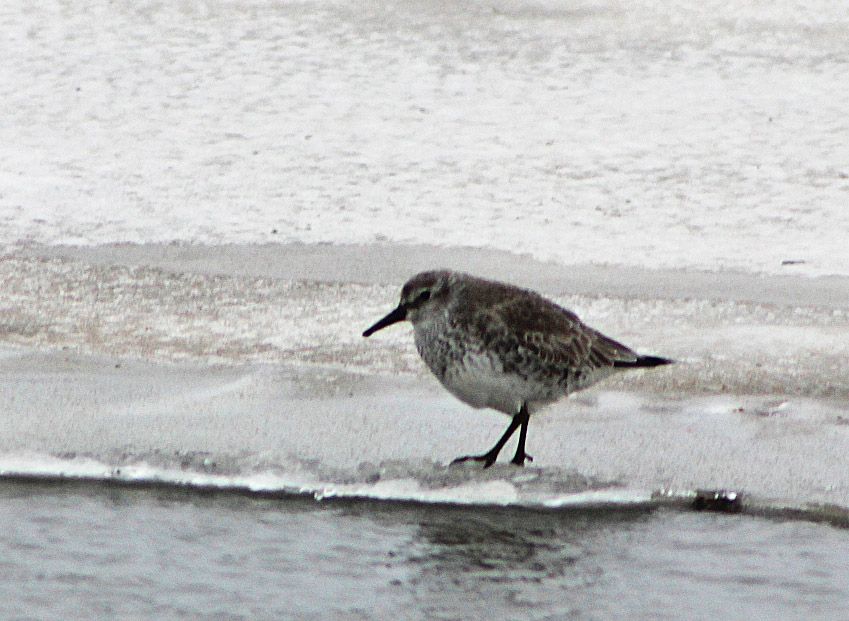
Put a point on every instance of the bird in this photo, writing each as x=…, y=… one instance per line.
x=499, y=346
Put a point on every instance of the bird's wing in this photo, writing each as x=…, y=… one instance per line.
x=538, y=328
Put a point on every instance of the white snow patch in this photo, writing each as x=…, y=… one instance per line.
x=696, y=134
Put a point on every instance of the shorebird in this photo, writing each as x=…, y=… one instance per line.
x=494, y=345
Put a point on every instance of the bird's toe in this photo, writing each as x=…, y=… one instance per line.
x=487, y=458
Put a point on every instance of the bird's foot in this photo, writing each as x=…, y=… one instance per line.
x=487, y=458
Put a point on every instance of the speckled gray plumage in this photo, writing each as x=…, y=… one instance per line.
x=526, y=335
x=499, y=346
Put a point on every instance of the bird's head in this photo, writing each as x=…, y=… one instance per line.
x=424, y=294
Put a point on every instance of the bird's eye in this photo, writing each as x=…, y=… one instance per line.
x=424, y=296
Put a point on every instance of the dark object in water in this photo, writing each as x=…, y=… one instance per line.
x=724, y=501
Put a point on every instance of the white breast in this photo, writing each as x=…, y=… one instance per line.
x=481, y=383
x=474, y=375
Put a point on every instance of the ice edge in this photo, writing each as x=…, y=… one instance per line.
x=494, y=494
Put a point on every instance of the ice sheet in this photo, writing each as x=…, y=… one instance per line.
x=167, y=313
x=682, y=167
x=655, y=134
x=170, y=374
x=256, y=430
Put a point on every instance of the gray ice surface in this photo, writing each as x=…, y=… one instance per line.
x=131, y=355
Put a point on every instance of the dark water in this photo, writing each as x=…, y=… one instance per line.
x=96, y=552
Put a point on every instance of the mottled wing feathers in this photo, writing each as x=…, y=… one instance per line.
x=535, y=327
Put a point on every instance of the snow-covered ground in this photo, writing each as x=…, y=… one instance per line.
x=709, y=135
x=682, y=167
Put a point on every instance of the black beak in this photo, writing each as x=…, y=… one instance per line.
x=399, y=314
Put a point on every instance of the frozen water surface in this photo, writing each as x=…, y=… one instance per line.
x=251, y=381
x=694, y=134
x=203, y=204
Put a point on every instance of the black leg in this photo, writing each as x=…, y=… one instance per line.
x=520, y=456
x=488, y=458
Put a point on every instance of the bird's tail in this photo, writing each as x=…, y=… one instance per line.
x=642, y=362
